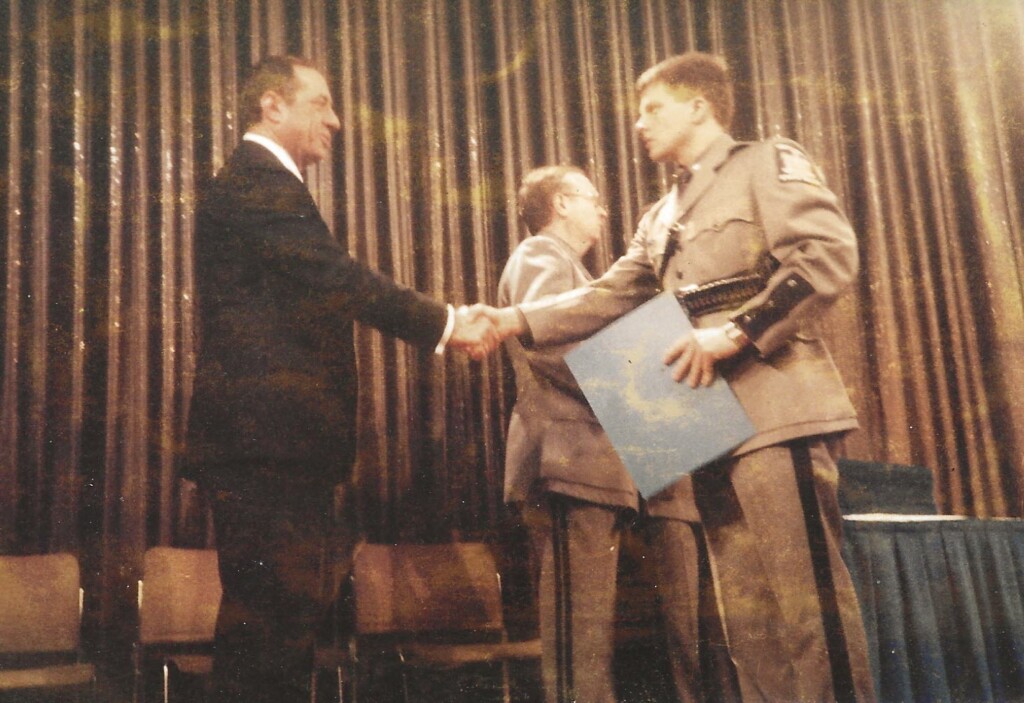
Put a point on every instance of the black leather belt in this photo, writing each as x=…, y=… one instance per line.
x=723, y=294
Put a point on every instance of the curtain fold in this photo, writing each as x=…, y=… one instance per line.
x=988, y=36
x=115, y=113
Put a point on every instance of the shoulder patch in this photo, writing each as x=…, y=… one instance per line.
x=794, y=166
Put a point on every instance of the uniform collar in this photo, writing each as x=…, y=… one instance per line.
x=703, y=173
x=716, y=153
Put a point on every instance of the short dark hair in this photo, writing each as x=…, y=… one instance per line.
x=275, y=73
x=537, y=193
x=706, y=74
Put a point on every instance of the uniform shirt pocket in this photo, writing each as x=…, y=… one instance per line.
x=721, y=244
x=715, y=222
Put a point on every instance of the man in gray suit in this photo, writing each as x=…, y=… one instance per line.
x=575, y=494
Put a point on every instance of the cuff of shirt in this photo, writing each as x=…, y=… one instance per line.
x=448, y=329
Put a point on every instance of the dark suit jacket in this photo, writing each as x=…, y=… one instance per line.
x=277, y=296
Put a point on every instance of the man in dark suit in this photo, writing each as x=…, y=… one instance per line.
x=272, y=423
x=574, y=494
x=756, y=248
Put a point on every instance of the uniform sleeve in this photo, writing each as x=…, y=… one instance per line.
x=537, y=269
x=579, y=313
x=633, y=274
x=807, y=234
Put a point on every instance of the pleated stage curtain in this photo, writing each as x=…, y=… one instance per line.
x=115, y=112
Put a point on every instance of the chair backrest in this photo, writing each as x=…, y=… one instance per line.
x=875, y=487
x=40, y=603
x=179, y=595
x=426, y=588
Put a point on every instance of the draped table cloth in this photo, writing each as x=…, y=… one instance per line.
x=942, y=603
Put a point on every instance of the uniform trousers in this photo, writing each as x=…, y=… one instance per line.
x=576, y=545
x=773, y=531
x=281, y=557
x=695, y=638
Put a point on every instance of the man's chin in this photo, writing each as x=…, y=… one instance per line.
x=315, y=158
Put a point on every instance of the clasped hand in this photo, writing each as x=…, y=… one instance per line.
x=479, y=329
x=697, y=353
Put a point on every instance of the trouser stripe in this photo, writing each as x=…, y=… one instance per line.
x=835, y=638
x=563, y=600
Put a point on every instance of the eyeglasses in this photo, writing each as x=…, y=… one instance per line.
x=593, y=198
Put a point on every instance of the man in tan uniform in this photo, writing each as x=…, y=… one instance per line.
x=757, y=249
x=560, y=468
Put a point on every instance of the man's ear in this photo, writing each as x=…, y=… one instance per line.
x=270, y=106
x=702, y=111
x=558, y=204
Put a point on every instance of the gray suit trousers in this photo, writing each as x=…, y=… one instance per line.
x=576, y=545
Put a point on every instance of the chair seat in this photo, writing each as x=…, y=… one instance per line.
x=47, y=676
x=435, y=605
x=331, y=657
x=196, y=664
x=453, y=655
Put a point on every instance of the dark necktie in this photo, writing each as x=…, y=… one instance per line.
x=681, y=179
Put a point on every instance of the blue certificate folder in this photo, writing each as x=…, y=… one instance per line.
x=661, y=429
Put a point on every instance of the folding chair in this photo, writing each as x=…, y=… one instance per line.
x=434, y=607
x=338, y=659
x=178, y=599
x=40, y=624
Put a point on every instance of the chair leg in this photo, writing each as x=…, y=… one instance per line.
x=137, y=694
x=167, y=683
x=353, y=682
x=353, y=673
x=405, y=686
x=505, y=688
x=341, y=686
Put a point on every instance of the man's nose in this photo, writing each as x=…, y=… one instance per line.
x=333, y=122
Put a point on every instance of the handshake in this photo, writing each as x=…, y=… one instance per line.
x=479, y=329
